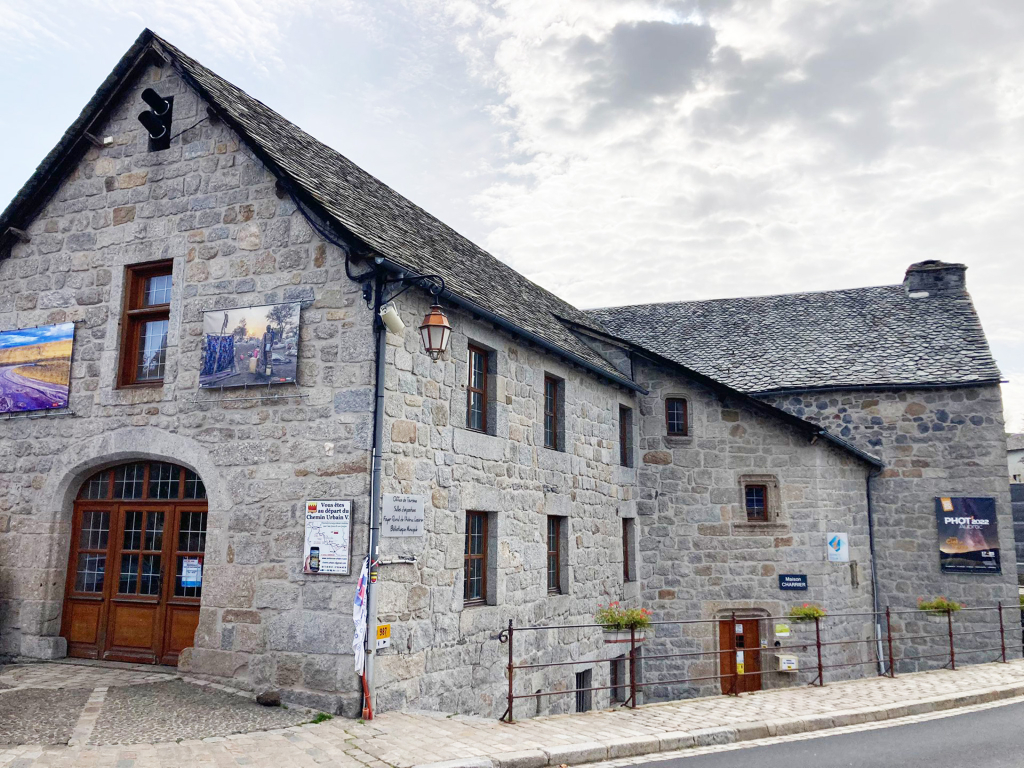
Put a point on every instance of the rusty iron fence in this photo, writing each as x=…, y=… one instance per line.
x=889, y=645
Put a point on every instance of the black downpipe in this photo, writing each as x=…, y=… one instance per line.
x=874, y=573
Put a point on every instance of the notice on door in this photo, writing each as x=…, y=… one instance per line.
x=328, y=536
x=191, y=572
x=401, y=515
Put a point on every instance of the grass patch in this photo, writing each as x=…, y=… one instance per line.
x=321, y=717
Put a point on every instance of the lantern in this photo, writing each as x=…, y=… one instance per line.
x=435, y=332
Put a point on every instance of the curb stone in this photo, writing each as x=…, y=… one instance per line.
x=589, y=752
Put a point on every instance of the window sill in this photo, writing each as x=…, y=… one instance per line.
x=760, y=529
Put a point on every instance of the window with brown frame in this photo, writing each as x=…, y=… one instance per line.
x=144, y=324
x=625, y=436
x=676, y=417
x=627, y=537
x=554, y=554
x=552, y=430
x=476, y=405
x=756, y=501
x=475, y=586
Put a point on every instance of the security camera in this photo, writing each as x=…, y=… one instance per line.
x=391, y=319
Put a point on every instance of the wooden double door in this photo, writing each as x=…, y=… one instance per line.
x=135, y=569
x=740, y=655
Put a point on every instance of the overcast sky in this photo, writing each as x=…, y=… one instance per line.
x=622, y=151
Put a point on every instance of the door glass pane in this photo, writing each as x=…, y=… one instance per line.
x=163, y=481
x=152, y=350
x=89, y=576
x=155, y=531
x=132, y=530
x=192, y=532
x=95, y=529
x=128, y=481
x=129, y=575
x=182, y=591
x=150, y=582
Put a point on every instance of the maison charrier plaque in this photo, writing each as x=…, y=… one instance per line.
x=401, y=515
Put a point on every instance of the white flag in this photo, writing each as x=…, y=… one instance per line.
x=359, y=616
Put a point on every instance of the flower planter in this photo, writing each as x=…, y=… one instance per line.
x=622, y=635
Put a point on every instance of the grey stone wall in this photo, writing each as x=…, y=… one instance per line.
x=702, y=559
x=935, y=442
x=445, y=655
x=208, y=205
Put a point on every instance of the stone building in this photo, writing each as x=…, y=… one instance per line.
x=564, y=459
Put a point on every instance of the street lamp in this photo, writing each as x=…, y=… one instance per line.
x=435, y=332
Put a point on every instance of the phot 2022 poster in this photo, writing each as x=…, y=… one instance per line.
x=968, y=535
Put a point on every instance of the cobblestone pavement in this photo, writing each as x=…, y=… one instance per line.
x=415, y=738
x=89, y=703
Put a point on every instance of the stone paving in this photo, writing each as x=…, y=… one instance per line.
x=91, y=703
x=405, y=739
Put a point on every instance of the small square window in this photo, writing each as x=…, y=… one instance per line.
x=676, y=417
x=756, y=498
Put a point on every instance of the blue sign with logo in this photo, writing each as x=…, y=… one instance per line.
x=793, y=581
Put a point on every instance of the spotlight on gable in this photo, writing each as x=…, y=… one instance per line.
x=157, y=120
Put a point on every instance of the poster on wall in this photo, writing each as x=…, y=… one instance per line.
x=35, y=367
x=837, y=547
x=968, y=535
x=328, y=536
x=250, y=346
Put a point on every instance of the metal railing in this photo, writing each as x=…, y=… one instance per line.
x=883, y=653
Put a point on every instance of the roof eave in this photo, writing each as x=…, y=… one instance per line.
x=52, y=170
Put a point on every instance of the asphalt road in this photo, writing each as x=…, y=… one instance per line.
x=990, y=738
x=20, y=393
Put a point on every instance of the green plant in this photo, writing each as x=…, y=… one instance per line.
x=321, y=717
x=938, y=605
x=807, y=612
x=615, y=617
x=1021, y=602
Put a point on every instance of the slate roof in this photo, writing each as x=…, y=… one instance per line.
x=362, y=205
x=852, y=338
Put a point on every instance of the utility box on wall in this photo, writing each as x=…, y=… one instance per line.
x=786, y=663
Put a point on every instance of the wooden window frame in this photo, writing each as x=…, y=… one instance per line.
x=766, y=507
x=482, y=556
x=556, y=588
x=551, y=384
x=686, y=417
x=134, y=315
x=627, y=561
x=471, y=390
x=625, y=436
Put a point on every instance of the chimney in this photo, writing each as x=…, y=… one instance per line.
x=935, y=278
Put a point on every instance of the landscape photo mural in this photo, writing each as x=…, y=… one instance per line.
x=35, y=367
x=250, y=346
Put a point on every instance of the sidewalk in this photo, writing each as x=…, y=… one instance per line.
x=416, y=738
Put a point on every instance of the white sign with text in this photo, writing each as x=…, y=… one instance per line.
x=401, y=515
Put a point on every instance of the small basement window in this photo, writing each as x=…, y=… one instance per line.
x=584, y=698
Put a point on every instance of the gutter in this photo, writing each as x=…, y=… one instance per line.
x=856, y=387
x=876, y=607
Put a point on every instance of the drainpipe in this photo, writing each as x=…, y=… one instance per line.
x=380, y=335
x=874, y=574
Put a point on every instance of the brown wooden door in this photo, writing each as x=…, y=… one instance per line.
x=126, y=599
x=743, y=650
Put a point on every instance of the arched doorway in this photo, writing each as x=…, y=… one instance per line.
x=133, y=524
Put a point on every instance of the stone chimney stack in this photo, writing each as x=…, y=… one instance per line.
x=935, y=278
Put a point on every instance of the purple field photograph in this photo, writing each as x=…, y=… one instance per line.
x=35, y=367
